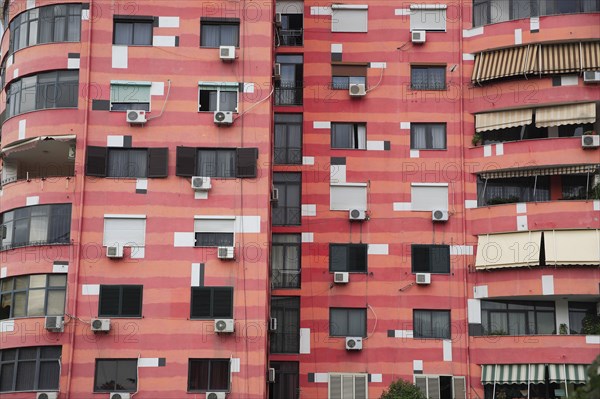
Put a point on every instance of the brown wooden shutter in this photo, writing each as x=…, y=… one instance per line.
x=95, y=162
x=349, y=70
x=158, y=162
x=246, y=162
x=186, y=161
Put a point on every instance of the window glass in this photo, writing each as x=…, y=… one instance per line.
x=30, y=369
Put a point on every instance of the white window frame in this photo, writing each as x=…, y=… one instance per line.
x=105, y=242
x=418, y=10
x=220, y=86
x=353, y=375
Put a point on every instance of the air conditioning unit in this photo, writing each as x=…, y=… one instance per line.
x=54, y=323
x=591, y=77
x=226, y=252
x=354, y=343
x=277, y=71
x=357, y=90
x=273, y=324
x=227, y=53
x=418, y=36
x=438, y=215
x=216, y=395
x=223, y=117
x=136, y=117
x=274, y=195
x=120, y=395
x=114, y=251
x=271, y=375
x=590, y=141
x=278, y=20
x=46, y=395
x=201, y=183
x=423, y=278
x=100, y=325
x=224, y=326
x=341, y=277
x=357, y=215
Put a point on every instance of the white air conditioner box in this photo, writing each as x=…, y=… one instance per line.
x=418, y=36
x=136, y=117
x=216, y=395
x=273, y=324
x=591, y=77
x=278, y=20
x=223, y=117
x=590, y=141
x=114, y=251
x=438, y=215
x=271, y=375
x=341, y=277
x=227, y=53
x=277, y=71
x=354, y=343
x=224, y=326
x=201, y=183
x=100, y=325
x=357, y=215
x=226, y=252
x=46, y=395
x=357, y=90
x=54, y=323
x=423, y=278
x=120, y=395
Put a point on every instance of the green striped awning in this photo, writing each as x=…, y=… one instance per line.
x=545, y=171
x=574, y=373
x=512, y=373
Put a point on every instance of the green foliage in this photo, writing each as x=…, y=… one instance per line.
x=476, y=139
x=590, y=325
x=498, y=200
x=401, y=389
x=591, y=390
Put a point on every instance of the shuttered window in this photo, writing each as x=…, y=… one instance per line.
x=433, y=386
x=120, y=301
x=348, y=386
x=212, y=303
x=124, y=230
x=125, y=95
x=428, y=17
x=429, y=196
x=348, y=258
x=127, y=162
x=349, y=18
x=217, y=162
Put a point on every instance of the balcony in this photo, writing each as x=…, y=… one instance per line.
x=290, y=37
x=288, y=93
x=286, y=216
x=283, y=279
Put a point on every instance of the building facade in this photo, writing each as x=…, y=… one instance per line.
x=299, y=199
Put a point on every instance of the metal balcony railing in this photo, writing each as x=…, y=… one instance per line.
x=288, y=93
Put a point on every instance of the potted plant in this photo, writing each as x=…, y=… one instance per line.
x=477, y=138
x=563, y=329
x=589, y=133
x=590, y=325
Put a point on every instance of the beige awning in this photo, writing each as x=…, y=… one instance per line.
x=508, y=250
x=565, y=115
x=560, y=58
x=590, y=56
x=572, y=247
x=31, y=143
x=547, y=171
x=501, y=63
x=503, y=119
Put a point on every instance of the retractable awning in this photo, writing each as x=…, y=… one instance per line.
x=508, y=250
x=513, y=374
x=572, y=247
x=560, y=58
x=503, y=119
x=573, y=373
x=571, y=114
x=547, y=171
x=590, y=56
x=28, y=144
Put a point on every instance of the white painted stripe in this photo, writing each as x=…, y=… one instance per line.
x=123, y=216
x=309, y=210
x=115, y=141
x=60, y=268
x=320, y=11
x=461, y=250
x=148, y=362
x=379, y=65
x=3, y=272
x=304, y=340
x=447, y=348
x=569, y=80
x=30, y=4
x=597, y=205
x=480, y=291
x=522, y=223
x=85, y=15
x=428, y=6
x=308, y=160
x=548, y=285
x=235, y=365
x=168, y=22
x=33, y=200
x=141, y=184
x=119, y=57
x=534, y=23
x=470, y=204
x=22, y=128
x=195, y=275
x=337, y=174
x=349, y=7
x=138, y=252
x=518, y=36
x=403, y=333
x=7, y=326
x=522, y=207
x=487, y=150
x=429, y=184
x=500, y=149
x=336, y=47
x=468, y=57
x=247, y=224
x=473, y=32
x=375, y=145
x=402, y=206
x=201, y=195
x=249, y=88
x=592, y=339
x=321, y=377
x=417, y=365
x=308, y=237
x=163, y=41
x=73, y=63
x=9, y=60
x=157, y=89
x=404, y=125
x=321, y=125
x=378, y=249
x=402, y=11
x=15, y=73
x=414, y=153
x=90, y=289
x=186, y=239
x=474, y=309
x=376, y=377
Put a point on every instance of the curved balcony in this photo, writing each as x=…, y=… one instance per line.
x=43, y=122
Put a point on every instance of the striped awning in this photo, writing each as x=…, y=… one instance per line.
x=559, y=58
x=503, y=119
x=571, y=114
x=501, y=63
x=590, y=56
x=547, y=171
x=574, y=373
x=512, y=374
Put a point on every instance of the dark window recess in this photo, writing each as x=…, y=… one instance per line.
x=430, y=258
x=215, y=32
x=431, y=324
x=348, y=258
x=133, y=32
x=116, y=375
x=428, y=77
x=343, y=75
x=33, y=368
x=348, y=322
x=48, y=24
x=287, y=210
x=221, y=98
x=351, y=136
x=290, y=32
x=36, y=225
x=56, y=89
x=581, y=317
x=512, y=190
x=214, y=239
x=212, y=303
x=285, y=260
x=126, y=162
x=33, y=296
x=577, y=187
x=287, y=382
x=289, y=88
x=428, y=136
x=517, y=317
x=288, y=139
x=208, y=375
x=216, y=162
x=286, y=338
x=120, y=301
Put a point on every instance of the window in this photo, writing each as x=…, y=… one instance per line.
x=215, y=32
x=577, y=187
x=430, y=259
x=35, y=295
x=208, y=375
x=34, y=368
x=286, y=211
x=349, y=18
x=578, y=312
x=133, y=31
x=212, y=232
x=292, y=23
x=116, y=375
x=126, y=95
x=287, y=381
x=124, y=230
x=288, y=88
x=427, y=136
x=57, y=89
x=517, y=318
x=348, y=386
x=216, y=162
x=288, y=139
x=575, y=130
x=348, y=258
x=431, y=324
x=120, y=301
x=429, y=196
x=347, y=196
x=215, y=96
x=285, y=261
x=36, y=225
x=441, y=386
x=55, y=23
x=343, y=75
x=428, y=77
x=286, y=338
x=512, y=190
x=127, y=162
x=428, y=17
x=212, y=303
x=348, y=322
x=351, y=136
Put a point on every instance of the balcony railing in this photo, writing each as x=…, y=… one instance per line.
x=287, y=156
x=289, y=37
x=288, y=93
x=285, y=279
x=286, y=216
